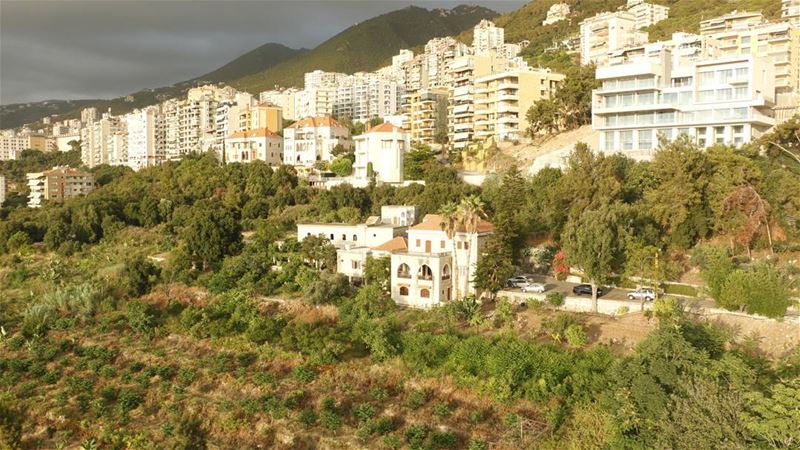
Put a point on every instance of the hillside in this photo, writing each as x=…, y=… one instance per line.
x=369, y=44
x=256, y=60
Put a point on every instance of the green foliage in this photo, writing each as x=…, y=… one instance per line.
x=773, y=418
x=554, y=298
x=494, y=267
x=211, y=233
x=139, y=275
x=341, y=166
x=190, y=433
x=759, y=290
x=415, y=162
x=11, y=421
x=557, y=326
x=576, y=336
x=141, y=317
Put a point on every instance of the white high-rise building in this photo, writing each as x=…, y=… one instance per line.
x=556, y=13
x=95, y=139
x=487, y=37
x=646, y=14
x=663, y=90
x=146, y=146
x=790, y=10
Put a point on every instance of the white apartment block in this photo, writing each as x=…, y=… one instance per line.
x=251, y=145
x=95, y=139
x=312, y=139
x=285, y=99
x=732, y=21
x=659, y=93
x=380, y=153
x=779, y=44
x=606, y=33
x=118, y=146
x=190, y=125
x=434, y=269
x=556, y=13
x=146, y=146
x=646, y=14
x=486, y=37
x=790, y=10
x=364, y=96
x=502, y=100
x=11, y=145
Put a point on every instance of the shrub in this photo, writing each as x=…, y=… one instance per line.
x=141, y=317
x=11, y=420
x=416, y=399
x=556, y=326
x=476, y=444
x=189, y=432
x=554, y=298
x=307, y=418
x=415, y=435
x=364, y=412
x=503, y=313
x=576, y=336
x=392, y=442
x=304, y=374
x=444, y=439
x=622, y=310
x=441, y=409
x=128, y=400
x=330, y=420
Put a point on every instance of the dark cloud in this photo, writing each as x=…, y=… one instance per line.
x=100, y=49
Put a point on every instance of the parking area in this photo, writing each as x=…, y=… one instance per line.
x=551, y=284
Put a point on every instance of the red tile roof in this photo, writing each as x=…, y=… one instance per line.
x=385, y=127
x=398, y=243
x=260, y=132
x=433, y=222
x=316, y=122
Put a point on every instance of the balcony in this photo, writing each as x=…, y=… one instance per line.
x=404, y=275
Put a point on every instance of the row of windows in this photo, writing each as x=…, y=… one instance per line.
x=423, y=293
x=667, y=117
x=647, y=139
x=724, y=76
x=424, y=272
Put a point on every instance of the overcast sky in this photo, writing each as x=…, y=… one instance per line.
x=63, y=49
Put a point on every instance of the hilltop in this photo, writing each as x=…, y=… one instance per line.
x=251, y=62
x=367, y=45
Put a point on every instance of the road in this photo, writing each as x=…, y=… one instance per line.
x=565, y=287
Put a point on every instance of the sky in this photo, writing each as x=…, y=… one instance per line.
x=65, y=49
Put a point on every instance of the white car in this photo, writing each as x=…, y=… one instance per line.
x=518, y=281
x=534, y=287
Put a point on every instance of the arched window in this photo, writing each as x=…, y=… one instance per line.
x=425, y=273
x=403, y=271
x=424, y=293
x=446, y=272
x=403, y=290
x=355, y=238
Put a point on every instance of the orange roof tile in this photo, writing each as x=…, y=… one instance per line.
x=260, y=132
x=398, y=243
x=316, y=122
x=433, y=222
x=385, y=127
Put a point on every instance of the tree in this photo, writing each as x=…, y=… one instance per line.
x=449, y=224
x=211, y=233
x=758, y=290
x=747, y=213
x=341, y=166
x=494, y=267
x=415, y=161
x=591, y=244
x=470, y=214
x=11, y=420
x=543, y=117
x=783, y=140
x=139, y=275
x=319, y=251
x=378, y=271
x=715, y=266
x=773, y=418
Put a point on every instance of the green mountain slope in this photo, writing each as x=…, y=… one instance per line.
x=369, y=44
x=251, y=62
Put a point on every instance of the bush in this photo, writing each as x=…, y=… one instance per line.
x=444, y=439
x=307, y=418
x=416, y=399
x=415, y=435
x=622, y=310
x=556, y=327
x=554, y=298
x=576, y=336
x=475, y=444
x=128, y=400
x=441, y=409
x=11, y=420
x=141, y=317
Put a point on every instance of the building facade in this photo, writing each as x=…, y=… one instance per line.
x=313, y=139
x=146, y=146
x=379, y=154
x=251, y=145
x=57, y=185
x=556, y=13
x=608, y=32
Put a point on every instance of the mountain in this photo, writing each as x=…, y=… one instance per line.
x=370, y=44
x=251, y=62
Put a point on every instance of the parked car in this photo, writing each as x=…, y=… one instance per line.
x=586, y=289
x=534, y=287
x=645, y=294
x=518, y=281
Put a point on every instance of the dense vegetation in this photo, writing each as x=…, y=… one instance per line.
x=142, y=316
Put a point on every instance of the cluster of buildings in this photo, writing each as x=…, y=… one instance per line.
x=57, y=185
x=728, y=84
x=427, y=267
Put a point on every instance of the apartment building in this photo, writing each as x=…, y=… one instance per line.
x=425, y=114
x=556, y=13
x=790, y=11
x=57, y=185
x=285, y=99
x=96, y=137
x=658, y=91
x=502, y=100
x=146, y=138
x=777, y=43
x=13, y=143
x=433, y=268
x=375, y=231
x=607, y=32
x=226, y=119
x=646, y=14
x=732, y=21
x=118, y=146
x=487, y=37
x=312, y=139
x=364, y=96
x=256, y=144
x=380, y=153
x=190, y=125
x=263, y=115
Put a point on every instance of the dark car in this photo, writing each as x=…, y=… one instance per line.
x=586, y=289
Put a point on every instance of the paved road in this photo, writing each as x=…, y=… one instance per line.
x=565, y=287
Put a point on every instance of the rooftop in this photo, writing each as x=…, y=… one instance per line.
x=316, y=122
x=260, y=132
x=433, y=222
x=398, y=243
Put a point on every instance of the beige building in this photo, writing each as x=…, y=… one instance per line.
x=95, y=139
x=646, y=14
x=503, y=99
x=313, y=139
x=790, y=10
x=57, y=185
x=607, y=32
x=425, y=114
x=146, y=146
x=258, y=144
x=556, y=13
x=2, y=190
x=263, y=115
x=12, y=143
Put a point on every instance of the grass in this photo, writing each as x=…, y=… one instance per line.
x=680, y=289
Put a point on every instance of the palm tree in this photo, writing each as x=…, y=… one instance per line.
x=449, y=224
x=470, y=213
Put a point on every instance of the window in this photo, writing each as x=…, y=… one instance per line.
x=701, y=136
x=645, y=139
x=356, y=265
x=344, y=237
x=446, y=272
x=403, y=271
x=418, y=243
x=719, y=135
x=466, y=245
x=425, y=273
x=458, y=245
x=355, y=238
x=331, y=236
x=627, y=140
x=609, y=140
x=424, y=293
x=403, y=290
x=441, y=244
